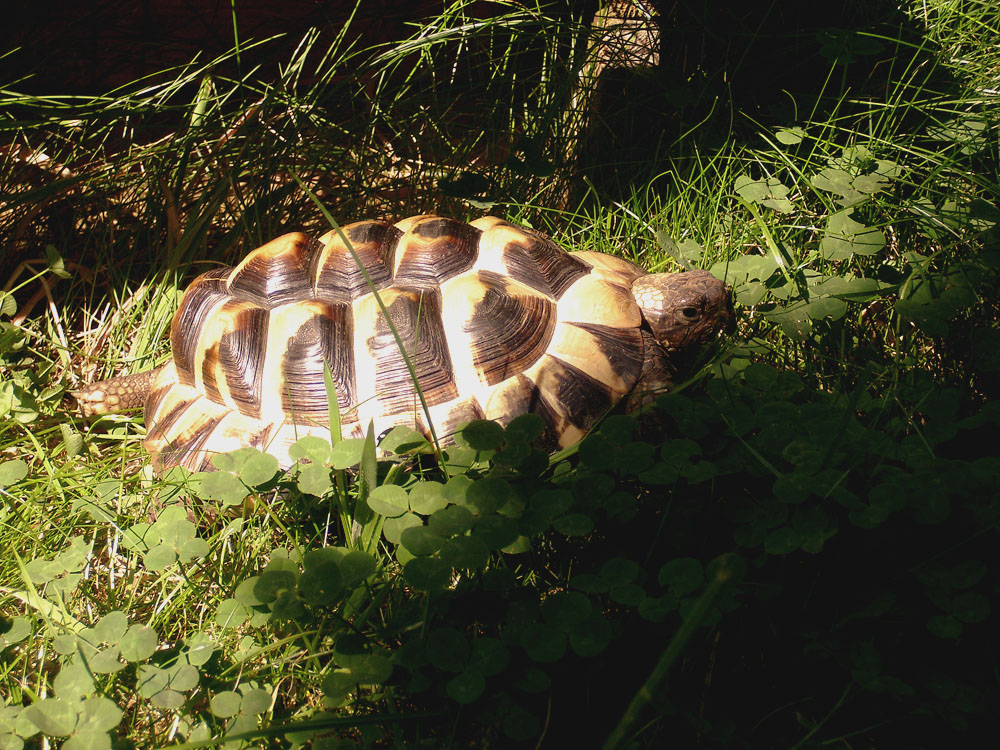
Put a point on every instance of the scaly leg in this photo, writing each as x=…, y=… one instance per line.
x=116, y=394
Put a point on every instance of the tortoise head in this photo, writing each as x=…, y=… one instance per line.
x=684, y=310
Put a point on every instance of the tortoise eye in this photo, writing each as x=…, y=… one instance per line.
x=689, y=313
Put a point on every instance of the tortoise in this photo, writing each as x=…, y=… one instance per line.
x=497, y=321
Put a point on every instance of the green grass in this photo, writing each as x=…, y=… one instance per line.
x=795, y=552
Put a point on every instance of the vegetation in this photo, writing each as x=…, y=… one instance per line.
x=793, y=549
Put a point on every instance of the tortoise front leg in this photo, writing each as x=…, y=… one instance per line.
x=659, y=374
x=116, y=394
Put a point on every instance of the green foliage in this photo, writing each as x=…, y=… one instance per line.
x=12, y=472
x=769, y=192
x=165, y=682
x=106, y=647
x=171, y=539
x=62, y=573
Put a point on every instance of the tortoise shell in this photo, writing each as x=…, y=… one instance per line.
x=496, y=321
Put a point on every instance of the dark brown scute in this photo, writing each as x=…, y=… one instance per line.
x=538, y=404
x=510, y=331
x=460, y=413
x=511, y=399
x=583, y=398
x=276, y=273
x=326, y=337
x=164, y=423
x=622, y=346
x=205, y=292
x=543, y=265
x=216, y=274
x=417, y=317
x=435, y=250
x=339, y=278
x=238, y=356
x=176, y=454
x=260, y=438
x=182, y=446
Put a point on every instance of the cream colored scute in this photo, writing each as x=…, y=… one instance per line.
x=193, y=317
x=488, y=222
x=492, y=243
x=284, y=322
x=405, y=225
x=614, y=269
x=459, y=297
x=447, y=417
x=165, y=381
x=366, y=316
x=505, y=397
x=285, y=245
x=581, y=349
x=230, y=434
x=593, y=300
x=278, y=271
x=408, y=244
x=192, y=411
x=545, y=376
x=223, y=320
